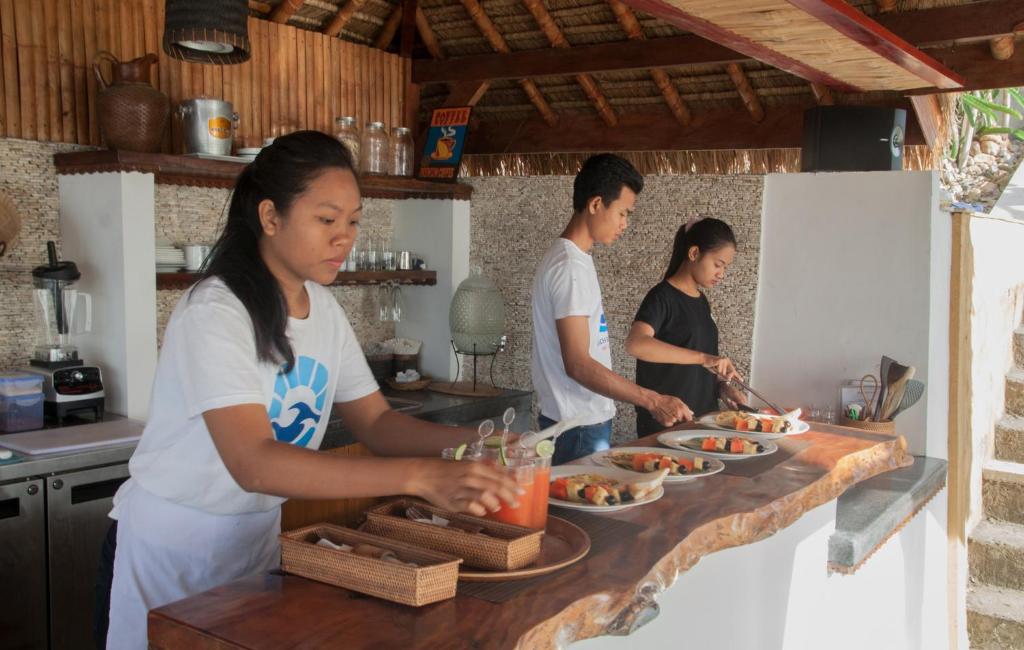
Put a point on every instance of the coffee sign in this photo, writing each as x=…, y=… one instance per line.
x=445, y=141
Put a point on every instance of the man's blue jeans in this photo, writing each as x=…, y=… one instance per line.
x=578, y=441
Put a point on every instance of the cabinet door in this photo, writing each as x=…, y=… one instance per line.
x=77, y=508
x=23, y=565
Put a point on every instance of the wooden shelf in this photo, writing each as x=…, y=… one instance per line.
x=187, y=170
x=185, y=279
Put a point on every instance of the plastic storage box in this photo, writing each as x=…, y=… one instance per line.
x=21, y=401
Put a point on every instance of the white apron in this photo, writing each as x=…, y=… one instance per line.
x=166, y=551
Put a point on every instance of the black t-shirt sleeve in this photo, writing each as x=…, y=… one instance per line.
x=652, y=310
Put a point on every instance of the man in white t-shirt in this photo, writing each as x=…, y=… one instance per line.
x=571, y=364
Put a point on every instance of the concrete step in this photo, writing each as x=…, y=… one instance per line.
x=1018, y=347
x=995, y=554
x=1010, y=439
x=1002, y=491
x=1015, y=392
x=995, y=618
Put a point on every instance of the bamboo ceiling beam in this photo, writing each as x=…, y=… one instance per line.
x=387, y=32
x=1003, y=47
x=746, y=91
x=341, y=18
x=885, y=6
x=822, y=94
x=260, y=7
x=558, y=40
x=427, y=34
x=285, y=10
x=627, y=19
x=497, y=41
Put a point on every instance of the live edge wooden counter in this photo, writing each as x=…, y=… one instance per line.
x=609, y=592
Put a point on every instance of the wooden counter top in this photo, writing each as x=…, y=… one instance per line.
x=609, y=592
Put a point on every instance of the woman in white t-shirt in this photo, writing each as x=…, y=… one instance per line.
x=254, y=357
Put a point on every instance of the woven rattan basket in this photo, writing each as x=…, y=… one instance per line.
x=501, y=547
x=887, y=427
x=435, y=579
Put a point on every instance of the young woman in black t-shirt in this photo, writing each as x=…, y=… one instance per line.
x=674, y=338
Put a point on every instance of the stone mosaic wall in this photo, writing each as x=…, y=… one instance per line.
x=514, y=220
x=29, y=179
x=183, y=215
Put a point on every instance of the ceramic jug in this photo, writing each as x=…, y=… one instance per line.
x=132, y=113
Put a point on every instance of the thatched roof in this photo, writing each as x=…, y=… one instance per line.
x=702, y=88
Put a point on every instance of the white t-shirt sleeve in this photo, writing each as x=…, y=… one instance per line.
x=354, y=377
x=570, y=290
x=216, y=358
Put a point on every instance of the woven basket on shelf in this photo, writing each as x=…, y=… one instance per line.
x=886, y=426
x=435, y=579
x=501, y=547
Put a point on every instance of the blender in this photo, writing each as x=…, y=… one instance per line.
x=69, y=385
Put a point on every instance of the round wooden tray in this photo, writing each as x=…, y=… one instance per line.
x=563, y=544
x=465, y=389
x=419, y=384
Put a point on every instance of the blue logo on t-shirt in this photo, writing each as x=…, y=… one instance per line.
x=298, y=403
x=603, y=327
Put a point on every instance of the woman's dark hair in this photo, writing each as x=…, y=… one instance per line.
x=604, y=175
x=707, y=234
x=281, y=172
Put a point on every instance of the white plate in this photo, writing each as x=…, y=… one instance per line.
x=708, y=420
x=612, y=473
x=675, y=440
x=714, y=466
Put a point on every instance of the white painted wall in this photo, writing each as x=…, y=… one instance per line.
x=1011, y=202
x=854, y=266
x=107, y=229
x=439, y=231
x=776, y=594
x=997, y=309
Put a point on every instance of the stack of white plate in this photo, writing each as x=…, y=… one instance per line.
x=169, y=259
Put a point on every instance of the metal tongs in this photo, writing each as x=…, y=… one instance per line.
x=743, y=407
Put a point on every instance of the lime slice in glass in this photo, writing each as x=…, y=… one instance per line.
x=492, y=442
x=461, y=449
x=545, y=448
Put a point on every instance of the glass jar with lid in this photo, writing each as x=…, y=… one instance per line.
x=402, y=157
x=374, y=149
x=347, y=133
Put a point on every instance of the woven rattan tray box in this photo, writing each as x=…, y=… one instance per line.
x=500, y=547
x=434, y=579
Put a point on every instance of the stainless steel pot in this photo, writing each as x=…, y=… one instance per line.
x=207, y=126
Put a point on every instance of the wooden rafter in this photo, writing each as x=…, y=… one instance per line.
x=427, y=34
x=497, y=41
x=746, y=91
x=929, y=117
x=957, y=36
x=627, y=19
x=340, y=19
x=823, y=95
x=260, y=7
x=285, y=10
x=557, y=39
x=885, y=6
x=387, y=32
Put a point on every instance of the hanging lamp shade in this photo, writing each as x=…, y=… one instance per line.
x=207, y=31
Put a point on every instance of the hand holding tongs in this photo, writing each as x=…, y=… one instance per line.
x=775, y=407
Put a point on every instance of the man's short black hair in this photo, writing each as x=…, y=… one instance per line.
x=604, y=175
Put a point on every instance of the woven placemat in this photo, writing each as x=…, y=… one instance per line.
x=603, y=531
x=751, y=467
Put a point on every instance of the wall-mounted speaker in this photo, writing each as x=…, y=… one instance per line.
x=853, y=138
